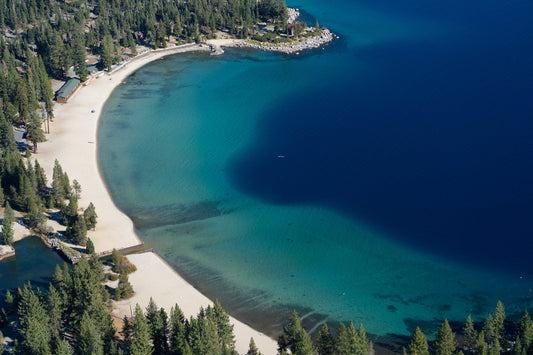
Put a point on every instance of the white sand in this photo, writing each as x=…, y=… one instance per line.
x=154, y=278
x=73, y=142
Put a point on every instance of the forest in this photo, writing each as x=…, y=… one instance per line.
x=74, y=317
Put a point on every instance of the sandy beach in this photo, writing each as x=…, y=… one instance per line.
x=72, y=142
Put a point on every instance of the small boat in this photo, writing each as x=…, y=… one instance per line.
x=281, y=156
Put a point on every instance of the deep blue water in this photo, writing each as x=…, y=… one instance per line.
x=403, y=194
x=436, y=148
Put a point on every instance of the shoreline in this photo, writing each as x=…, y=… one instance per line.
x=73, y=142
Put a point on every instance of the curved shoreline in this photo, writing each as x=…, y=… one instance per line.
x=73, y=142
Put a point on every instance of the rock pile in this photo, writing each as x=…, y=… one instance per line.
x=325, y=36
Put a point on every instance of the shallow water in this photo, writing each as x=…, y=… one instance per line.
x=385, y=179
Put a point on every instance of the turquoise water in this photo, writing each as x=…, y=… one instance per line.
x=406, y=158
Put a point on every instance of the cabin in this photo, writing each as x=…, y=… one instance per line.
x=92, y=68
x=67, y=90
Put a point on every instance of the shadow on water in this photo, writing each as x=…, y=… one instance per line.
x=440, y=159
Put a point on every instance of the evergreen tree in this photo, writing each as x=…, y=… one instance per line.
x=124, y=288
x=115, y=257
x=252, y=348
x=157, y=322
x=90, y=216
x=445, y=342
x=489, y=329
x=10, y=303
x=2, y=197
x=40, y=178
x=89, y=248
x=7, y=138
x=35, y=217
x=8, y=213
x=6, y=236
x=34, y=323
x=106, y=51
x=418, y=344
x=295, y=337
x=224, y=327
x=62, y=347
x=140, y=338
x=58, y=191
x=362, y=343
x=178, y=339
x=470, y=333
x=57, y=278
x=525, y=332
x=34, y=131
x=499, y=320
x=77, y=188
x=343, y=340
x=78, y=230
x=78, y=57
x=88, y=340
x=495, y=347
x=55, y=309
x=325, y=343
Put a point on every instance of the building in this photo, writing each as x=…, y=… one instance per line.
x=92, y=68
x=67, y=90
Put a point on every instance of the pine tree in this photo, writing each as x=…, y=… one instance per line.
x=55, y=309
x=58, y=191
x=140, y=336
x=78, y=230
x=7, y=138
x=157, y=322
x=418, y=344
x=78, y=57
x=362, y=343
x=77, y=188
x=178, y=339
x=325, y=343
x=115, y=257
x=57, y=278
x=88, y=340
x=343, y=340
x=526, y=332
x=499, y=320
x=445, y=342
x=252, y=348
x=106, y=51
x=90, y=216
x=495, y=347
x=124, y=287
x=470, y=333
x=10, y=303
x=89, y=248
x=34, y=323
x=224, y=327
x=6, y=236
x=2, y=197
x=34, y=131
x=489, y=329
x=40, y=178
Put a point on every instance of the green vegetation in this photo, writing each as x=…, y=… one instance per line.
x=73, y=316
x=121, y=264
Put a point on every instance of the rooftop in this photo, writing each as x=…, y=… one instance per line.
x=68, y=88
